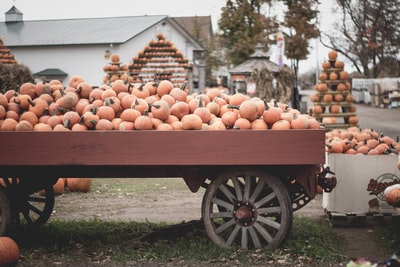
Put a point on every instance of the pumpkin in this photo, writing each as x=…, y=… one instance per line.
x=24, y=126
x=299, y=121
x=84, y=89
x=75, y=81
x=78, y=184
x=143, y=122
x=8, y=124
x=160, y=109
x=129, y=114
x=42, y=88
x=9, y=252
x=339, y=64
x=28, y=88
x=115, y=58
x=202, y=111
x=164, y=87
x=229, y=117
x=3, y=112
x=179, y=93
x=29, y=116
x=38, y=106
x=326, y=65
x=242, y=124
x=281, y=125
x=327, y=98
x=104, y=125
x=333, y=76
x=180, y=109
x=106, y=112
x=70, y=118
x=248, y=109
x=392, y=195
x=139, y=90
x=332, y=55
x=258, y=124
x=191, y=122
x=271, y=115
x=322, y=87
x=237, y=99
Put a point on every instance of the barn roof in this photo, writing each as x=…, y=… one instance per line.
x=76, y=31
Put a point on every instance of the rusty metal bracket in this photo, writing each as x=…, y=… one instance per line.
x=327, y=183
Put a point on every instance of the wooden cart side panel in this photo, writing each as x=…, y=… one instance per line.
x=162, y=148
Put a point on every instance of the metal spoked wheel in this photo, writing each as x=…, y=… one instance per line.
x=29, y=208
x=5, y=212
x=247, y=208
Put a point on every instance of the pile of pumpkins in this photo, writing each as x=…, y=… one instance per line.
x=158, y=105
x=354, y=140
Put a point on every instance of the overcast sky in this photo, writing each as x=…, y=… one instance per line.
x=61, y=9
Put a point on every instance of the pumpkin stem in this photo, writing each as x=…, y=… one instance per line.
x=79, y=90
x=183, y=86
x=201, y=103
x=94, y=110
x=31, y=102
x=233, y=106
x=156, y=106
x=67, y=123
x=62, y=92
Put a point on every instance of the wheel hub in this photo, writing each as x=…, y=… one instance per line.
x=245, y=213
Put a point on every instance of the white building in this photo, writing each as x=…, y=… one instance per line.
x=79, y=46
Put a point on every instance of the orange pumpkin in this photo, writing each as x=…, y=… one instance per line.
x=248, y=109
x=164, y=87
x=9, y=252
x=242, y=124
x=180, y=109
x=24, y=126
x=332, y=55
x=160, y=109
x=143, y=122
x=392, y=195
x=191, y=122
x=281, y=125
x=75, y=81
x=78, y=184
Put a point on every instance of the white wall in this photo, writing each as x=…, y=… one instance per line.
x=88, y=61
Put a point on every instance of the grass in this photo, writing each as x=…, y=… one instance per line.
x=124, y=186
x=115, y=243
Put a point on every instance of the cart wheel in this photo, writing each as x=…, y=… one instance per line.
x=5, y=212
x=36, y=208
x=31, y=209
x=249, y=208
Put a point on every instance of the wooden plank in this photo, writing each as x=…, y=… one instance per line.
x=157, y=148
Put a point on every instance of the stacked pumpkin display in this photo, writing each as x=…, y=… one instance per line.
x=333, y=101
x=115, y=70
x=49, y=106
x=161, y=59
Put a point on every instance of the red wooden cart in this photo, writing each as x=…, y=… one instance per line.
x=254, y=180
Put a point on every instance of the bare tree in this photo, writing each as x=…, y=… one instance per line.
x=368, y=35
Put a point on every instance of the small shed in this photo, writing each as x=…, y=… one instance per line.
x=261, y=77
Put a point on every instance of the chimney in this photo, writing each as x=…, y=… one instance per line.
x=14, y=15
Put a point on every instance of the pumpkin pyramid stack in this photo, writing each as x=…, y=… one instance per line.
x=5, y=55
x=160, y=59
x=333, y=101
x=115, y=70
